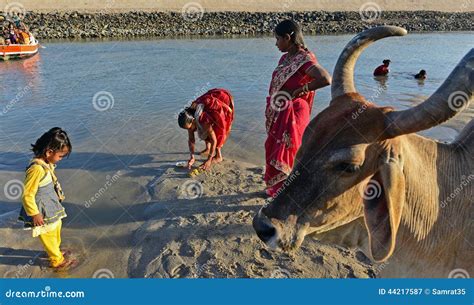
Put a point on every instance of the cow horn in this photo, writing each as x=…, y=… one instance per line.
x=343, y=76
x=455, y=94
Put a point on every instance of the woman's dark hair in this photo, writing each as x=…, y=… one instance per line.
x=186, y=117
x=55, y=139
x=293, y=29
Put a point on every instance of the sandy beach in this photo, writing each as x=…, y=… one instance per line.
x=185, y=227
x=245, y=5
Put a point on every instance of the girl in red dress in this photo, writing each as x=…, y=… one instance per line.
x=211, y=115
x=289, y=103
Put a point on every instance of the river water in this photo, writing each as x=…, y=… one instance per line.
x=119, y=99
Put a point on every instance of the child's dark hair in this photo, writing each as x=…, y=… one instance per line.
x=55, y=139
x=293, y=29
x=186, y=117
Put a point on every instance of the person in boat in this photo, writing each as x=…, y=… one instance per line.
x=421, y=75
x=23, y=37
x=289, y=103
x=6, y=36
x=19, y=37
x=17, y=21
x=382, y=70
x=13, y=37
x=211, y=116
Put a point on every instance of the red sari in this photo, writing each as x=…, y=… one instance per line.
x=215, y=108
x=286, y=120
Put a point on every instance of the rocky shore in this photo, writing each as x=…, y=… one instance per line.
x=168, y=24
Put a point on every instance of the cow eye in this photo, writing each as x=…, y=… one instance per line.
x=347, y=167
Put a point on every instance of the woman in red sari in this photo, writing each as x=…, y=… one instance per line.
x=289, y=102
x=211, y=115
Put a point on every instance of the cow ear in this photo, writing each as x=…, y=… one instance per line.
x=384, y=199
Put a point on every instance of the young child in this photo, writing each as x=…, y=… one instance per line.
x=42, y=196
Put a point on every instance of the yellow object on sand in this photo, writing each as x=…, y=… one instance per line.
x=196, y=172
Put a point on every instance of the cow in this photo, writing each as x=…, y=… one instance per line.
x=368, y=181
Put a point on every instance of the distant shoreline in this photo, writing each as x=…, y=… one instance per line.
x=172, y=24
x=125, y=6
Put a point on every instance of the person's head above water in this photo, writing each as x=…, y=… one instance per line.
x=288, y=34
x=421, y=75
x=186, y=118
x=386, y=62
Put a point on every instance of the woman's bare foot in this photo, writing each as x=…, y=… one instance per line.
x=218, y=158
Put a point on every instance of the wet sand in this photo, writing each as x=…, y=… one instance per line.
x=181, y=227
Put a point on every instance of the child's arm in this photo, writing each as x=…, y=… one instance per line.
x=33, y=177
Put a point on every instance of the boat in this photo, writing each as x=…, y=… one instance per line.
x=18, y=51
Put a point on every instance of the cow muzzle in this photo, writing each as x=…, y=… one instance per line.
x=277, y=234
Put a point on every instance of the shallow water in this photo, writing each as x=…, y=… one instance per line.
x=150, y=81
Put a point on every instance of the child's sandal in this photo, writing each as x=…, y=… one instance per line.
x=65, y=253
x=66, y=265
